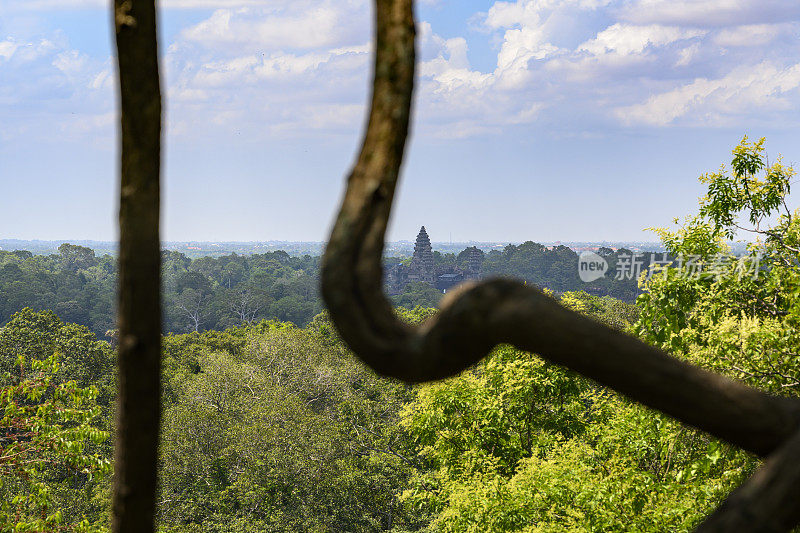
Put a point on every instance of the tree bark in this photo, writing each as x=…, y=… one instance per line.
x=139, y=313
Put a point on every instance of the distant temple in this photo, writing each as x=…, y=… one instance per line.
x=422, y=268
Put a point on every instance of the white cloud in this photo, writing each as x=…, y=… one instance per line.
x=71, y=62
x=91, y=122
x=303, y=26
x=164, y=4
x=763, y=87
x=510, y=15
x=527, y=35
x=245, y=70
x=281, y=68
x=301, y=68
x=293, y=69
x=103, y=80
x=319, y=117
x=626, y=39
x=528, y=12
x=457, y=101
x=750, y=34
x=527, y=114
x=686, y=55
x=605, y=77
x=708, y=13
x=52, y=91
x=209, y=4
x=22, y=51
x=7, y=48
x=519, y=48
x=449, y=61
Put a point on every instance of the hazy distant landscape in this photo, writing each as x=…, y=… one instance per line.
x=212, y=286
x=395, y=248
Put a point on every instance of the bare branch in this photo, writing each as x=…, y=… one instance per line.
x=770, y=233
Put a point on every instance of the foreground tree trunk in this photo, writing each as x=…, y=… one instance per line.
x=478, y=316
x=139, y=314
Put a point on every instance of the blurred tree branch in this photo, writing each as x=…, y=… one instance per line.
x=139, y=316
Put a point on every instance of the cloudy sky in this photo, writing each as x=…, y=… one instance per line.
x=535, y=119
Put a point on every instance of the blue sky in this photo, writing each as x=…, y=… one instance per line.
x=536, y=119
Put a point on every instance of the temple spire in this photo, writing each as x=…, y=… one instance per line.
x=422, y=261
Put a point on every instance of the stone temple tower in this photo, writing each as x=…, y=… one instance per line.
x=422, y=261
x=474, y=259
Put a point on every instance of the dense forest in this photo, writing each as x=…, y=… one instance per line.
x=270, y=427
x=214, y=293
x=275, y=426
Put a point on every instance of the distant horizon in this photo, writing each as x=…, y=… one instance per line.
x=401, y=248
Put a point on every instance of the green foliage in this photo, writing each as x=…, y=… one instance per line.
x=200, y=294
x=740, y=317
x=74, y=284
x=518, y=444
x=75, y=258
x=418, y=294
x=696, y=237
x=745, y=192
x=275, y=428
x=207, y=293
x=267, y=427
x=48, y=445
x=35, y=336
x=594, y=461
x=556, y=269
x=613, y=312
x=416, y=315
x=216, y=293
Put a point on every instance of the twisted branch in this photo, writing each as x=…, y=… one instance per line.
x=478, y=316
